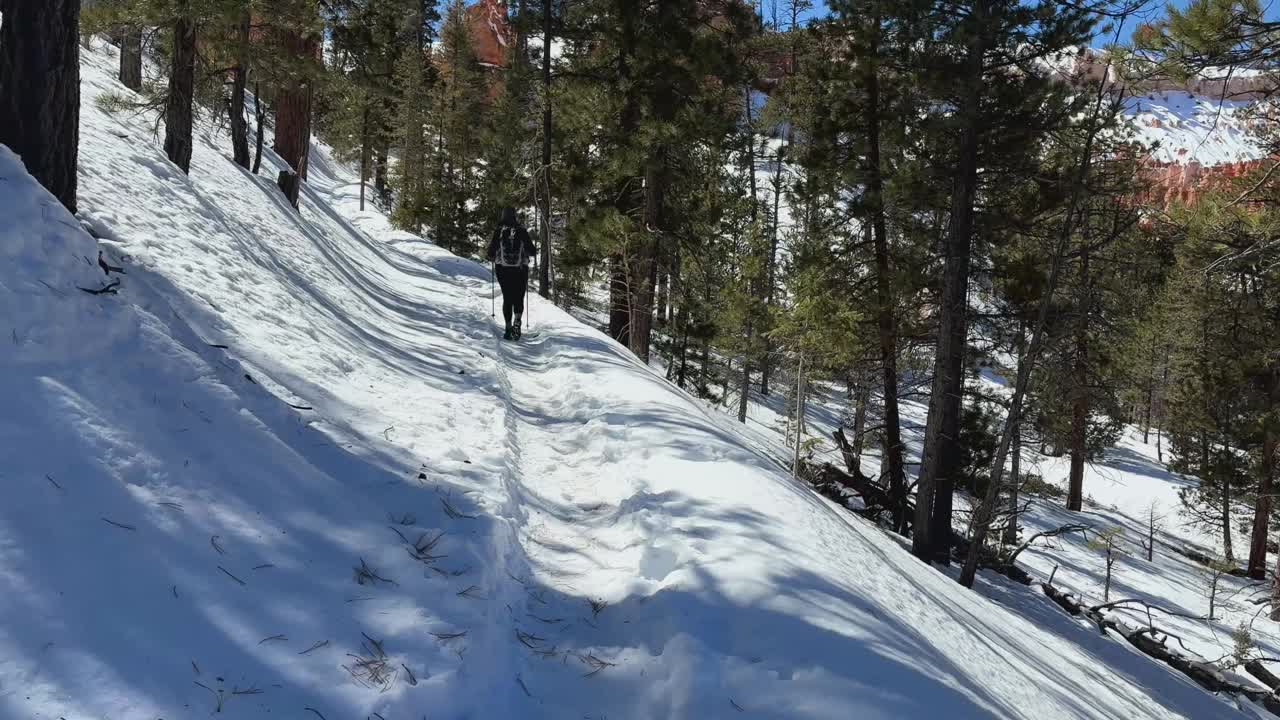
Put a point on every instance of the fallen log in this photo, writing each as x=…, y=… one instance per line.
x=1205, y=674
x=1262, y=674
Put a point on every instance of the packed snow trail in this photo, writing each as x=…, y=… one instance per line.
x=289, y=469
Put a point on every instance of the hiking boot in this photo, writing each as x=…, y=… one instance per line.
x=515, y=328
x=507, y=335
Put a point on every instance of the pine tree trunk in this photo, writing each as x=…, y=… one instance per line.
x=364, y=151
x=619, y=301
x=862, y=393
x=235, y=106
x=544, y=270
x=1015, y=444
x=886, y=322
x=381, y=153
x=1227, y=553
x=40, y=90
x=932, y=536
x=766, y=362
x=131, y=58
x=260, y=117
x=178, y=104
x=621, y=264
x=293, y=118
x=745, y=386
x=644, y=261
x=663, y=293
x=1080, y=399
x=1262, y=507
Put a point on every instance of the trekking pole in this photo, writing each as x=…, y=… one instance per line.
x=528, y=310
x=493, y=297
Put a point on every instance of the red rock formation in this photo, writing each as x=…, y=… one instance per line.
x=491, y=32
x=1183, y=183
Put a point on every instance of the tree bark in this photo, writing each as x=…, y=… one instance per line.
x=544, y=270
x=131, y=58
x=862, y=393
x=886, y=321
x=931, y=539
x=260, y=116
x=1262, y=507
x=235, y=106
x=1015, y=447
x=619, y=301
x=293, y=117
x=40, y=90
x=1080, y=394
x=643, y=274
x=766, y=362
x=364, y=151
x=181, y=95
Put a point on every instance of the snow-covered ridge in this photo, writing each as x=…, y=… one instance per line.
x=290, y=469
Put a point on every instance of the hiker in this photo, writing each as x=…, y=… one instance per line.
x=509, y=252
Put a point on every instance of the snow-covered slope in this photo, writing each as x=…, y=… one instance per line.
x=290, y=471
x=1183, y=128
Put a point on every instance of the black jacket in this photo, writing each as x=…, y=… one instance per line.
x=530, y=250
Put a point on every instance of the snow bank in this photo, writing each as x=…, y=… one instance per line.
x=304, y=475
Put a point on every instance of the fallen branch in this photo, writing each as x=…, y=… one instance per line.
x=108, y=289
x=233, y=577
x=120, y=525
x=1063, y=530
x=1144, y=639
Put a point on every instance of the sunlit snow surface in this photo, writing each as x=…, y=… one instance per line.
x=176, y=537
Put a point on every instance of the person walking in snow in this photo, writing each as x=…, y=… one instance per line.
x=509, y=252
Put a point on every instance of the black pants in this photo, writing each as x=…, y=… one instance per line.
x=514, y=281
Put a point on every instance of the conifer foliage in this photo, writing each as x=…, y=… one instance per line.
x=882, y=198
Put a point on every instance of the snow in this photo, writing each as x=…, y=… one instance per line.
x=181, y=535
x=1121, y=491
x=1183, y=128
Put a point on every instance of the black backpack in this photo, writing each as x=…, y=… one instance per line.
x=510, y=248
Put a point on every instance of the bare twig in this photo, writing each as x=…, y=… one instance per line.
x=314, y=646
x=317, y=712
x=366, y=575
x=413, y=679
x=233, y=577
x=54, y=482
x=471, y=593
x=110, y=288
x=453, y=512
x=217, y=696
x=272, y=638
x=216, y=546
x=449, y=636
x=120, y=525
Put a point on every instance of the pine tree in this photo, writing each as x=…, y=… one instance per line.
x=456, y=132
x=412, y=179
x=40, y=90
x=984, y=67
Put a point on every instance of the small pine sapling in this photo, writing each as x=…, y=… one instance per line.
x=1216, y=569
x=1107, y=541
